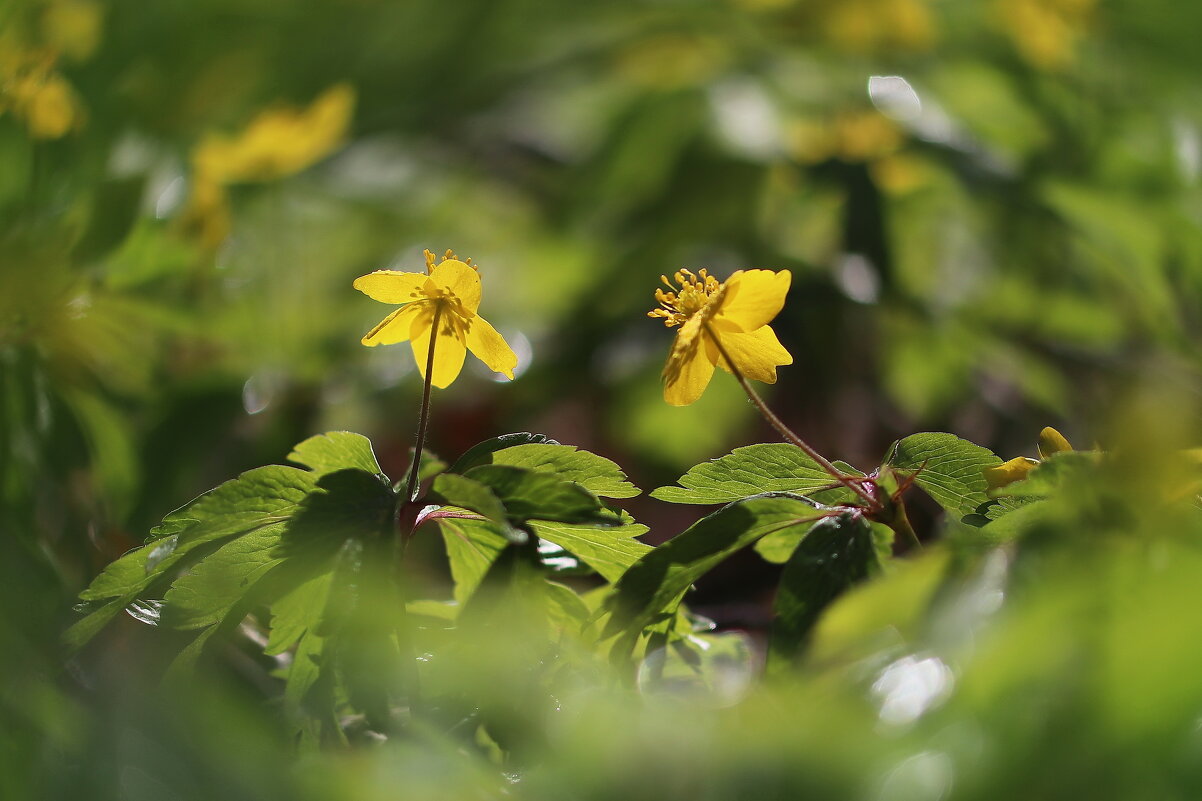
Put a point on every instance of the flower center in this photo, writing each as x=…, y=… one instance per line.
x=694, y=293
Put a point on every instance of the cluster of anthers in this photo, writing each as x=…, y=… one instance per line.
x=678, y=305
x=448, y=256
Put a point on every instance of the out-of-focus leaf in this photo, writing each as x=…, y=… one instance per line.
x=876, y=617
x=297, y=612
x=835, y=553
x=336, y=450
x=1051, y=473
x=660, y=579
x=948, y=468
x=609, y=550
x=751, y=470
x=430, y=466
x=115, y=204
x=597, y=474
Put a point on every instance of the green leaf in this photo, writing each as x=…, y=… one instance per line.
x=875, y=615
x=211, y=588
x=451, y=489
x=482, y=453
x=595, y=473
x=336, y=450
x=948, y=468
x=835, y=554
x=297, y=612
x=1051, y=473
x=658, y=581
x=472, y=547
x=610, y=550
x=527, y=494
x=347, y=504
x=430, y=466
x=261, y=498
x=751, y=470
x=257, y=497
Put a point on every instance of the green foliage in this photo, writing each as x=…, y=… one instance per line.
x=1009, y=238
x=834, y=555
x=947, y=468
x=775, y=467
x=657, y=582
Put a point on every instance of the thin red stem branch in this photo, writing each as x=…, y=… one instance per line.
x=784, y=430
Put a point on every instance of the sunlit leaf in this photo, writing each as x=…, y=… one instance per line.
x=948, y=468
x=754, y=469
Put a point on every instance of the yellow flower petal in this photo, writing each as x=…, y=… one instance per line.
x=400, y=325
x=449, y=350
x=392, y=286
x=490, y=347
x=460, y=280
x=1008, y=472
x=689, y=367
x=1052, y=441
x=753, y=298
x=757, y=354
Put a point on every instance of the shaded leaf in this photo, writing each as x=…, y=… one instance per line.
x=657, y=582
x=451, y=489
x=527, y=494
x=260, y=498
x=835, y=553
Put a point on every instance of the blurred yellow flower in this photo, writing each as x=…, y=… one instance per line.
x=72, y=27
x=862, y=26
x=36, y=93
x=448, y=294
x=672, y=61
x=1050, y=441
x=279, y=141
x=1045, y=32
x=713, y=317
x=851, y=136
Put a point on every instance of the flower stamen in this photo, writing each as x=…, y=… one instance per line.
x=676, y=306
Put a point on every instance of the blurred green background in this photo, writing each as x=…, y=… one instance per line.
x=991, y=212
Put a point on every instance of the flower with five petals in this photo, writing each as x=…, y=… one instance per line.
x=719, y=321
x=440, y=303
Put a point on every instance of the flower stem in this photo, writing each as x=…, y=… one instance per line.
x=405, y=519
x=423, y=419
x=783, y=429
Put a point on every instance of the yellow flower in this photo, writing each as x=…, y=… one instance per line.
x=449, y=293
x=1050, y=441
x=1045, y=32
x=737, y=313
x=279, y=141
x=34, y=91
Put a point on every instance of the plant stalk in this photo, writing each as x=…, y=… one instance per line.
x=423, y=419
x=783, y=429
